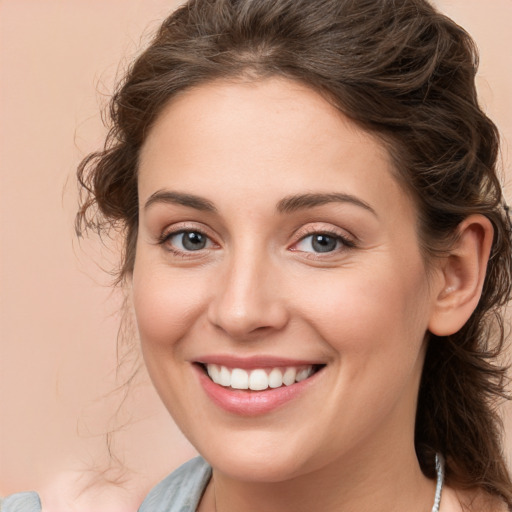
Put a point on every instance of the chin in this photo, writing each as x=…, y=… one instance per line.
x=252, y=463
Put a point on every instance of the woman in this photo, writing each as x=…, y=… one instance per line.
x=317, y=248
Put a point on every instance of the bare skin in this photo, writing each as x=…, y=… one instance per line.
x=452, y=501
x=262, y=174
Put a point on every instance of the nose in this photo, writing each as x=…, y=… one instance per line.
x=249, y=298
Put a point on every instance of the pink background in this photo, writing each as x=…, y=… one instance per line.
x=58, y=316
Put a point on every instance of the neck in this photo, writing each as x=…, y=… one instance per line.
x=368, y=481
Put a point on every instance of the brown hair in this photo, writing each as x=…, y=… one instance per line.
x=401, y=70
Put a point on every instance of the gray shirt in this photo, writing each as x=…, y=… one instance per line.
x=181, y=491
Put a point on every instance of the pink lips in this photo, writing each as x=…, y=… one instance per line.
x=254, y=361
x=246, y=402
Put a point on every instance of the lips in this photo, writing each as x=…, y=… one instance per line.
x=253, y=386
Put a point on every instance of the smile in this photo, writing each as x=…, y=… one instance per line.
x=258, y=379
x=254, y=386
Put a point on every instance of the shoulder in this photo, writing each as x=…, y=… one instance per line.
x=181, y=491
x=21, y=502
x=470, y=500
x=482, y=502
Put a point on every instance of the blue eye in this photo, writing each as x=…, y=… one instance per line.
x=188, y=241
x=319, y=243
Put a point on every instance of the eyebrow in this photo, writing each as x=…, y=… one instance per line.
x=288, y=204
x=304, y=201
x=190, y=200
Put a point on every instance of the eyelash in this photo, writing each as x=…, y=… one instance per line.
x=166, y=236
x=344, y=241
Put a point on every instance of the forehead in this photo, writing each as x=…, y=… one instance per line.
x=274, y=134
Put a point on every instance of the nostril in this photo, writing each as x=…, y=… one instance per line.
x=262, y=328
x=245, y=303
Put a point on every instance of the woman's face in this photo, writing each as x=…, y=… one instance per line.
x=275, y=244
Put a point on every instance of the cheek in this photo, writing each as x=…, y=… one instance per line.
x=374, y=326
x=166, y=304
x=382, y=309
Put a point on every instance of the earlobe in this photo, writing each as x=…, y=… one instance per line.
x=462, y=274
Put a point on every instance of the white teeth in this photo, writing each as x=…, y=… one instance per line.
x=258, y=379
x=239, y=379
x=275, y=378
x=289, y=376
x=214, y=373
x=303, y=374
x=224, y=377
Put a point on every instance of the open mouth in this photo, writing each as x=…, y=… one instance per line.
x=259, y=379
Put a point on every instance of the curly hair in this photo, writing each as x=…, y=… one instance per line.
x=400, y=70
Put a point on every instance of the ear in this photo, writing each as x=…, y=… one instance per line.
x=462, y=274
